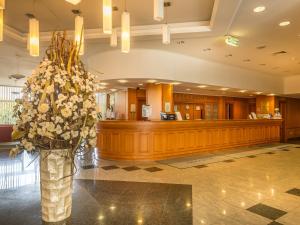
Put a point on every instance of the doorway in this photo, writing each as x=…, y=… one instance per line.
x=229, y=111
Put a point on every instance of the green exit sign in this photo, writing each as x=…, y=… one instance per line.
x=232, y=41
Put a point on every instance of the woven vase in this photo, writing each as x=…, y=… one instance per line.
x=56, y=169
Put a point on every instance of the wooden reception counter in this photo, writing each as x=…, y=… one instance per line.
x=153, y=140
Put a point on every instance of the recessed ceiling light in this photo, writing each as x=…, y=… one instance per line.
x=224, y=89
x=243, y=91
x=140, y=84
x=103, y=83
x=202, y=86
x=258, y=93
x=101, y=217
x=101, y=87
x=271, y=94
x=122, y=81
x=188, y=89
x=247, y=60
x=262, y=64
x=228, y=55
x=284, y=23
x=151, y=81
x=259, y=9
x=113, y=89
x=112, y=207
x=175, y=83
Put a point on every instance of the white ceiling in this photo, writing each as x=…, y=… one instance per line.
x=202, y=26
x=57, y=15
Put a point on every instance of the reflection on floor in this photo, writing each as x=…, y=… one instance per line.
x=258, y=189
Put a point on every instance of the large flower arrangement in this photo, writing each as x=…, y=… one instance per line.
x=58, y=109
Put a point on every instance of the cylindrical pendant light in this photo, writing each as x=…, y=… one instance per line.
x=34, y=37
x=114, y=38
x=166, y=34
x=125, y=32
x=158, y=10
x=2, y=4
x=79, y=34
x=107, y=16
x=1, y=24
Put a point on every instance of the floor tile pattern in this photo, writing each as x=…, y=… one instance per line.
x=105, y=202
x=131, y=168
x=110, y=167
x=153, y=169
x=267, y=211
x=294, y=191
x=275, y=223
x=220, y=193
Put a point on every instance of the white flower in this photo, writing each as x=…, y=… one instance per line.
x=94, y=114
x=66, y=112
x=43, y=108
x=27, y=145
x=84, y=132
x=49, y=126
x=74, y=133
x=93, y=142
x=58, y=129
x=93, y=132
x=41, y=116
x=87, y=104
x=62, y=97
x=74, y=98
x=32, y=133
x=50, y=89
x=58, y=119
x=66, y=136
x=14, y=151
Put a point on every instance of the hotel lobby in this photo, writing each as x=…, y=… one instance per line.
x=149, y=112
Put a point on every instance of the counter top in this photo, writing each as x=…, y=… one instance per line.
x=144, y=125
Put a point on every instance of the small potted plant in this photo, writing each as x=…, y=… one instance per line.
x=57, y=119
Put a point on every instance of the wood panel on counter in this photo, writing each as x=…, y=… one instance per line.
x=153, y=140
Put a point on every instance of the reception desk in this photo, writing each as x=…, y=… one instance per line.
x=153, y=140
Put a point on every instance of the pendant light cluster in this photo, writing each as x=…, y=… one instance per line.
x=159, y=15
x=2, y=7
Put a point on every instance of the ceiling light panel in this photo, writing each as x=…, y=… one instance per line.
x=74, y=2
x=284, y=23
x=259, y=9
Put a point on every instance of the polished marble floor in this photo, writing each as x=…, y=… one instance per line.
x=255, y=189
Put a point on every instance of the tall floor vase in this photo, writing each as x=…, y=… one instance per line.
x=56, y=184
